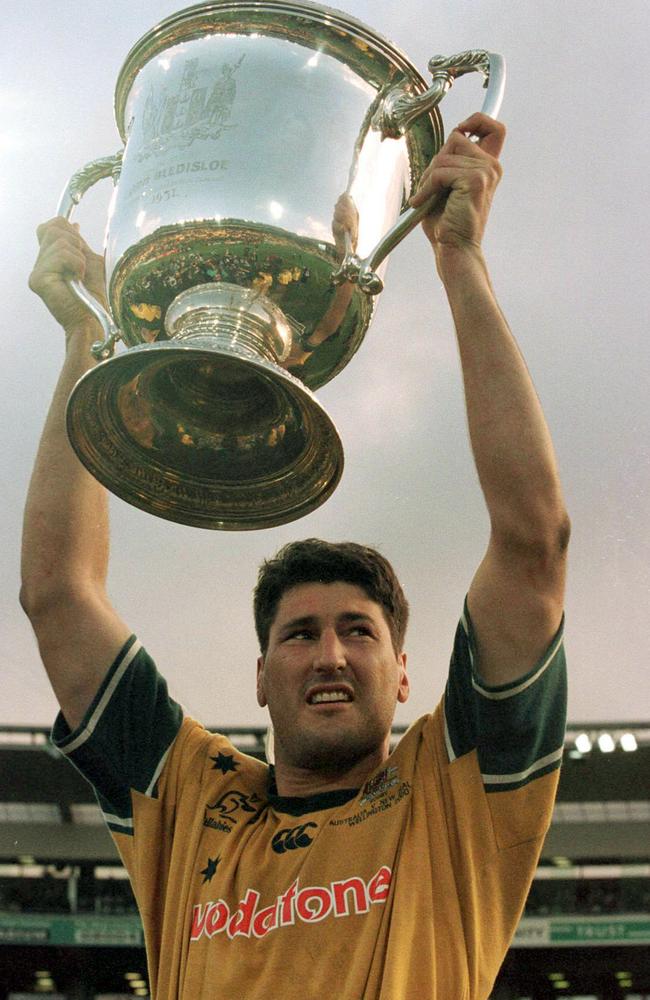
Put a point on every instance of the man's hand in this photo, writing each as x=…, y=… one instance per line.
x=465, y=174
x=64, y=255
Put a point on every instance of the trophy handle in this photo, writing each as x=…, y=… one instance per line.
x=397, y=112
x=79, y=183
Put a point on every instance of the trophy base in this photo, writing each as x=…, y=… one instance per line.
x=207, y=429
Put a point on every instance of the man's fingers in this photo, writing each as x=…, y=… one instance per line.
x=59, y=232
x=59, y=260
x=437, y=181
x=461, y=153
x=448, y=170
x=491, y=134
x=45, y=227
x=460, y=141
x=55, y=227
x=58, y=236
x=63, y=249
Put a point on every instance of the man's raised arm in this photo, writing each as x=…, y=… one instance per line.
x=65, y=536
x=516, y=597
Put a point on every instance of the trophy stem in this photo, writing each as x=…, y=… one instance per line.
x=240, y=320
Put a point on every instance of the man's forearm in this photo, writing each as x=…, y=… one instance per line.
x=65, y=536
x=510, y=440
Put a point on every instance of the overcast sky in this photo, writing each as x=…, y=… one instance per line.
x=567, y=248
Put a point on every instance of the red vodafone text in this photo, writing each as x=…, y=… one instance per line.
x=309, y=905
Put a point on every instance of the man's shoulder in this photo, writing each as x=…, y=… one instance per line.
x=210, y=758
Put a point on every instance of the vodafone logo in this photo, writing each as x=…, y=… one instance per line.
x=309, y=905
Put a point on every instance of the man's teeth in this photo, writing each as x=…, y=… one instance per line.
x=329, y=696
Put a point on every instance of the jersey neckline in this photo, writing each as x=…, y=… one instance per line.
x=300, y=805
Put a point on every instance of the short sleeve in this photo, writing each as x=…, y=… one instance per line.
x=517, y=729
x=123, y=740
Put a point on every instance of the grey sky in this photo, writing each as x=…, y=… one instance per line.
x=567, y=252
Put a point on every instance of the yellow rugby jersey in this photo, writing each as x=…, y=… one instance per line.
x=408, y=888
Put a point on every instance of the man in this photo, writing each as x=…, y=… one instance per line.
x=348, y=871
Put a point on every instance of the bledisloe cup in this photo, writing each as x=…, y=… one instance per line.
x=269, y=151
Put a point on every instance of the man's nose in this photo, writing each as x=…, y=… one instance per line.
x=329, y=652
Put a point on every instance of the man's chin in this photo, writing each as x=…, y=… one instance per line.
x=333, y=751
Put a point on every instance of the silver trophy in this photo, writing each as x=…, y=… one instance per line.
x=269, y=151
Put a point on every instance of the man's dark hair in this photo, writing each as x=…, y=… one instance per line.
x=316, y=561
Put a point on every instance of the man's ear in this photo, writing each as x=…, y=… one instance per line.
x=404, y=688
x=261, y=696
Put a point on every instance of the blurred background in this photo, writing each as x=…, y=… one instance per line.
x=566, y=248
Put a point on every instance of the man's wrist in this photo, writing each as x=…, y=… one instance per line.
x=83, y=331
x=457, y=265
x=466, y=281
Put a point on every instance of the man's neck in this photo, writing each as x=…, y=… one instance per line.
x=292, y=781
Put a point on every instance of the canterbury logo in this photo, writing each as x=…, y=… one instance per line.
x=289, y=840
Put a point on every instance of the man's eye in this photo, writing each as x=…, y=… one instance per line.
x=301, y=633
x=360, y=630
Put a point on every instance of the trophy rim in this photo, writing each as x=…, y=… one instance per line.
x=201, y=19
x=244, y=520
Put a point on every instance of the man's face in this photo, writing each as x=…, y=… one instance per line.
x=330, y=677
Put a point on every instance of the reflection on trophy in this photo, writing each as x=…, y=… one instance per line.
x=269, y=151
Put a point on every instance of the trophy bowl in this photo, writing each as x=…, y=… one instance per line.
x=269, y=151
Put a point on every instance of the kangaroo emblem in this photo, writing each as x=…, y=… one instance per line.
x=230, y=802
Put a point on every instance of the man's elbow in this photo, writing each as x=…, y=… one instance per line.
x=31, y=599
x=563, y=535
x=42, y=599
x=37, y=599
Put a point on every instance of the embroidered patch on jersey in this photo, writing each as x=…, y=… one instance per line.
x=210, y=869
x=224, y=762
x=288, y=840
x=234, y=800
x=309, y=905
x=385, y=799
x=379, y=785
x=228, y=807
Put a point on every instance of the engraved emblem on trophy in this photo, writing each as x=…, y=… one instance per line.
x=269, y=152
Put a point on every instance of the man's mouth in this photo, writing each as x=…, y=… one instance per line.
x=329, y=696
